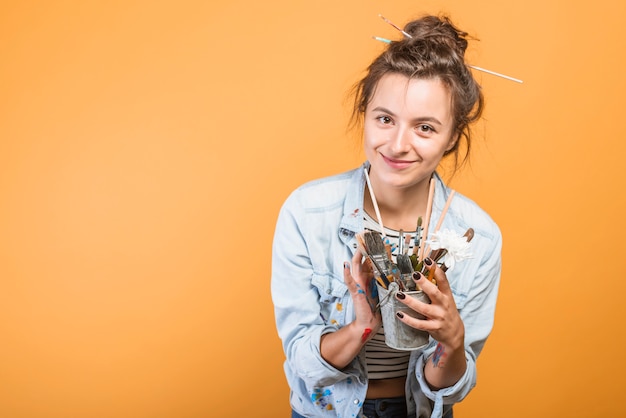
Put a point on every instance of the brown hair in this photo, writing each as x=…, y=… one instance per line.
x=436, y=49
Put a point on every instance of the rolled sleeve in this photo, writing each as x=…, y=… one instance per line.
x=477, y=313
x=449, y=395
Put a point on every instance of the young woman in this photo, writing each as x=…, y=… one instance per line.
x=415, y=105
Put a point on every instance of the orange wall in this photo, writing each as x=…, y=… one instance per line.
x=146, y=147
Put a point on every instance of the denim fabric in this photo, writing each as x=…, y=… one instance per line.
x=385, y=408
x=315, y=234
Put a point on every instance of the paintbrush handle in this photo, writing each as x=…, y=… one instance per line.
x=429, y=210
x=381, y=273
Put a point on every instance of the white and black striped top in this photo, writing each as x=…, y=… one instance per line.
x=384, y=362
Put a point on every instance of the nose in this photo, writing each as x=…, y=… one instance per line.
x=401, y=142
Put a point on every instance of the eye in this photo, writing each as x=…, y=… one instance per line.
x=385, y=120
x=425, y=129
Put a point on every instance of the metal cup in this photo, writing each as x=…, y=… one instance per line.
x=398, y=335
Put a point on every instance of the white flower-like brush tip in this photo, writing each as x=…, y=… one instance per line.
x=456, y=245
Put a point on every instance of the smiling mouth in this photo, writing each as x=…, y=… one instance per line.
x=395, y=162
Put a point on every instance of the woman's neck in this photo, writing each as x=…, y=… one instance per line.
x=399, y=208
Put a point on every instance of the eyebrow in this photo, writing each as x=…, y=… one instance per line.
x=419, y=119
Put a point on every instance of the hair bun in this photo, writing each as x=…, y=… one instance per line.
x=437, y=30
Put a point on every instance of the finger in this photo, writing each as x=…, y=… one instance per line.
x=348, y=279
x=426, y=285
x=362, y=271
x=353, y=285
x=357, y=258
x=442, y=281
x=434, y=274
x=358, y=292
x=357, y=265
x=415, y=304
x=413, y=322
x=431, y=268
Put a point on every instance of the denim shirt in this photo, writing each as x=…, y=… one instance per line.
x=315, y=234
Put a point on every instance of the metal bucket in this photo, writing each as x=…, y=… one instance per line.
x=398, y=335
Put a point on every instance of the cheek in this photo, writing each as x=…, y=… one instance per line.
x=431, y=151
x=375, y=137
x=370, y=153
x=369, y=142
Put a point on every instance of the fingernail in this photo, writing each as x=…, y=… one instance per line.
x=416, y=275
x=400, y=295
x=346, y=265
x=399, y=314
x=428, y=261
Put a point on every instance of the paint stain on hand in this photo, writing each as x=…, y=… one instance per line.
x=366, y=334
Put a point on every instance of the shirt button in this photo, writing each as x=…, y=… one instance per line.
x=356, y=401
x=328, y=291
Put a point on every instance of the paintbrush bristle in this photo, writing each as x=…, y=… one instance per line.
x=404, y=264
x=378, y=265
x=374, y=243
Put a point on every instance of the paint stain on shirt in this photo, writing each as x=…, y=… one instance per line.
x=320, y=398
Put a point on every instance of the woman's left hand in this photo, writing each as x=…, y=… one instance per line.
x=443, y=321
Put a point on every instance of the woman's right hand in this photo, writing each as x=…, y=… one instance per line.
x=339, y=348
x=359, y=279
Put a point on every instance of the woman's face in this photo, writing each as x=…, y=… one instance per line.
x=408, y=127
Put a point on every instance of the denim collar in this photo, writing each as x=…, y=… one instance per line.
x=352, y=219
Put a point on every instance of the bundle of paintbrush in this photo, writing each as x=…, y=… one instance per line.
x=386, y=271
x=372, y=246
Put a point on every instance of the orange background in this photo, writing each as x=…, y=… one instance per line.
x=146, y=147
